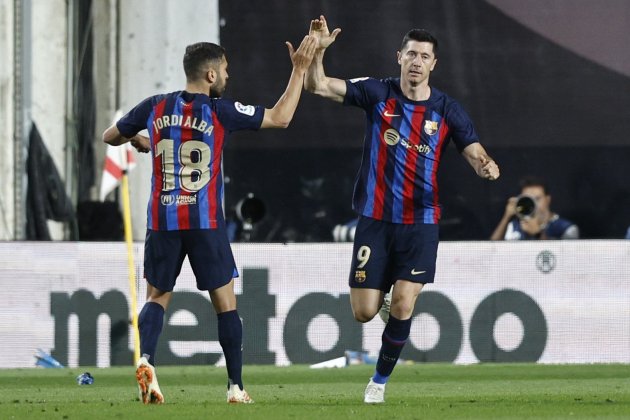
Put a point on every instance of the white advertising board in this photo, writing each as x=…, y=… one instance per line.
x=543, y=301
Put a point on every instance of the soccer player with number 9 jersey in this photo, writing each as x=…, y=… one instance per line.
x=408, y=125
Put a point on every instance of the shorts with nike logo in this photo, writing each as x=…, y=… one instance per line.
x=385, y=252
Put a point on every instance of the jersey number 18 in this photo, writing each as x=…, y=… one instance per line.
x=193, y=158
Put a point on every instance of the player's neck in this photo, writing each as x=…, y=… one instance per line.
x=197, y=88
x=420, y=92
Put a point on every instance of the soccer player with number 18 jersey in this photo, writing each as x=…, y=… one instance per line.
x=408, y=125
x=187, y=132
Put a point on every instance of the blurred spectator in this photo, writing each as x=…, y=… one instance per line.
x=529, y=216
x=345, y=232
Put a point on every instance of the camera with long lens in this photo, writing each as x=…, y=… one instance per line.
x=525, y=206
x=249, y=210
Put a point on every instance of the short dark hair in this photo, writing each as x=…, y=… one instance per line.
x=534, y=181
x=197, y=57
x=420, y=35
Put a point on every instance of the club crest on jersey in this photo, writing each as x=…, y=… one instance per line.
x=244, y=109
x=430, y=127
x=360, y=276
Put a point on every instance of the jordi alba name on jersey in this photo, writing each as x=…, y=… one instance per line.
x=187, y=132
x=404, y=140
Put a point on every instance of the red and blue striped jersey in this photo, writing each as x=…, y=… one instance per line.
x=188, y=133
x=404, y=140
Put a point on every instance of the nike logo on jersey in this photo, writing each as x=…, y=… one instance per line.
x=387, y=114
x=415, y=273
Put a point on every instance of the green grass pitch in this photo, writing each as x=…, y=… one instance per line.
x=420, y=391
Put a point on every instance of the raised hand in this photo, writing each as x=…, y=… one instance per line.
x=319, y=29
x=303, y=56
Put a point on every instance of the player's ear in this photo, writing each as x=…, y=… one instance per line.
x=398, y=56
x=211, y=75
x=433, y=65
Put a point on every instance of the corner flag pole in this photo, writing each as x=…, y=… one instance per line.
x=130, y=262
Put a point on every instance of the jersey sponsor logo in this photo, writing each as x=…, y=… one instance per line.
x=184, y=200
x=167, y=200
x=244, y=109
x=420, y=148
x=179, y=200
x=391, y=136
x=389, y=114
x=430, y=127
x=358, y=79
x=415, y=272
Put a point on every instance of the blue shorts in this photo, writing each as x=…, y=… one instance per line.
x=385, y=252
x=208, y=252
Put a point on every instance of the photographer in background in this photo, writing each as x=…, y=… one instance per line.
x=529, y=216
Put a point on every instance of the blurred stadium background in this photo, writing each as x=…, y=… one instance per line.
x=547, y=83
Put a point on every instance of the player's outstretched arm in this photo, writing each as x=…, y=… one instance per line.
x=282, y=112
x=316, y=80
x=483, y=164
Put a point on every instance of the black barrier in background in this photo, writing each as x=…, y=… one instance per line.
x=305, y=199
x=539, y=109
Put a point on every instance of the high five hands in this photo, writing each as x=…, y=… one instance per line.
x=302, y=57
x=319, y=29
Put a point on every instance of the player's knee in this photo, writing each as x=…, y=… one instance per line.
x=402, y=309
x=363, y=315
